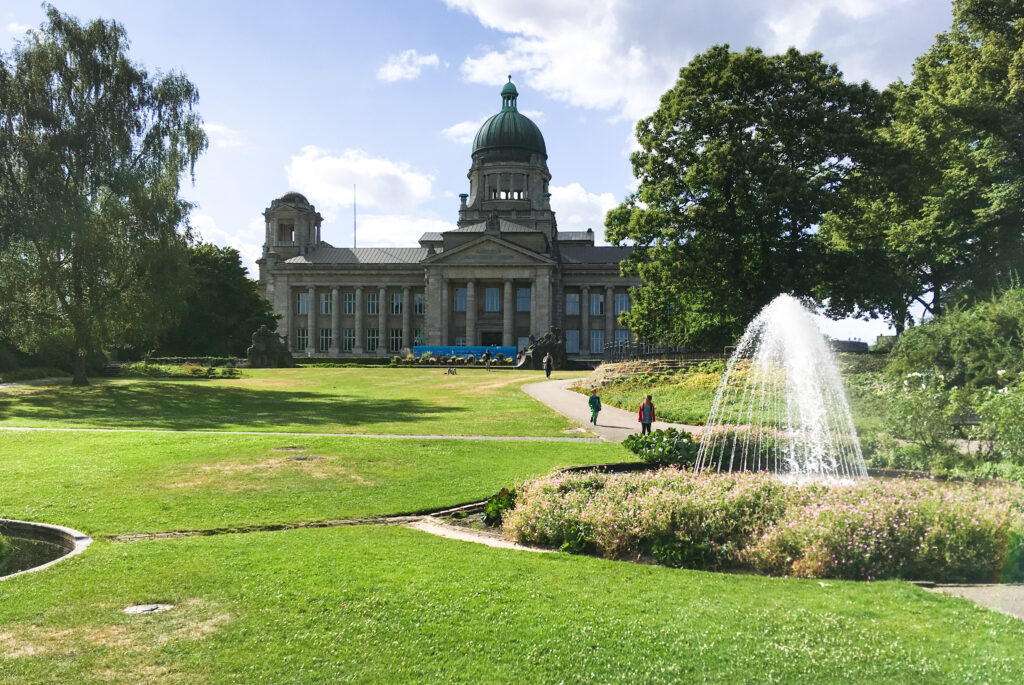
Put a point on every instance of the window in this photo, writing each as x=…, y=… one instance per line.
x=621, y=335
x=572, y=342
x=395, y=340
x=522, y=343
x=491, y=300
x=572, y=304
x=522, y=299
x=372, y=303
x=348, y=339
x=302, y=304
x=419, y=337
x=460, y=299
x=350, y=302
x=325, y=339
x=596, y=341
x=596, y=304
x=460, y=341
x=621, y=303
x=372, y=338
x=326, y=305
x=419, y=303
x=301, y=339
x=396, y=303
x=285, y=233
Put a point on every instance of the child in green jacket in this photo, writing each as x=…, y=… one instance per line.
x=595, y=406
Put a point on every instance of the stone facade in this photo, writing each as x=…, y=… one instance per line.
x=504, y=273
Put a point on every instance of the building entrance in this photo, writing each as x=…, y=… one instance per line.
x=490, y=338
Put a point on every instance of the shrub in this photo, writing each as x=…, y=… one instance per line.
x=663, y=447
x=144, y=370
x=1003, y=414
x=497, y=505
x=870, y=529
x=31, y=373
x=471, y=359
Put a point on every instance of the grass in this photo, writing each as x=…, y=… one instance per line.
x=111, y=483
x=394, y=605
x=387, y=604
x=317, y=400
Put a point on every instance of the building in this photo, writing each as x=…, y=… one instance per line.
x=504, y=273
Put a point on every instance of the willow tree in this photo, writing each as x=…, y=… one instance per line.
x=93, y=232
x=736, y=168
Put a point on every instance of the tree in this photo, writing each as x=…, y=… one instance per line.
x=946, y=206
x=736, y=168
x=93, y=152
x=222, y=308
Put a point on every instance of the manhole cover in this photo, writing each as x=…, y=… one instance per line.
x=147, y=608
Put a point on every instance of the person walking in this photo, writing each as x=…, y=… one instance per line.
x=646, y=415
x=549, y=363
x=595, y=406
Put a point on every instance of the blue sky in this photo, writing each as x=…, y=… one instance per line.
x=316, y=96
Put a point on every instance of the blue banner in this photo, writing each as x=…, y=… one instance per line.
x=463, y=352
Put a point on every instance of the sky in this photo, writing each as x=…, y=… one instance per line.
x=387, y=94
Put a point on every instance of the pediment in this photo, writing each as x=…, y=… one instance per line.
x=488, y=251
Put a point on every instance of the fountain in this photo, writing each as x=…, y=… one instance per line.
x=780, y=406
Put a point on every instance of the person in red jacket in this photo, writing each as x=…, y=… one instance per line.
x=646, y=415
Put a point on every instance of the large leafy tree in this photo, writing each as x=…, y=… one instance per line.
x=944, y=210
x=222, y=308
x=93, y=150
x=736, y=168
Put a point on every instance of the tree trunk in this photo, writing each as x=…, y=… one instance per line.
x=78, y=369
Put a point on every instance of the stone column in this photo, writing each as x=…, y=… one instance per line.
x=508, y=317
x=335, y=322
x=311, y=309
x=534, y=307
x=357, y=347
x=407, y=340
x=471, y=312
x=609, y=315
x=445, y=308
x=585, y=320
x=382, y=321
x=542, y=300
x=289, y=319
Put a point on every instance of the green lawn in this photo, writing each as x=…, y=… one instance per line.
x=388, y=604
x=376, y=604
x=313, y=400
x=110, y=483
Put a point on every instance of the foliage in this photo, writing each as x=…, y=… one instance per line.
x=935, y=217
x=31, y=373
x=204, y=361
x=497, y=505
x=663, y=447
x=147, y=370
x=1003, y=413
x=865, y=530
x=92, y=149
x=737, y=166
x=222, y=309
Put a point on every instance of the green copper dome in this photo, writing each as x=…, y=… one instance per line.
x=508, y=129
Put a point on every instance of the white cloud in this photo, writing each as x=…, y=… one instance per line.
x=462, y=132
x=248, y=241
x=577, y=210
x=15, y=27
x=382, y=184
x=620, y=55
x=406, y=65
x=222, y=136
x=395, y=230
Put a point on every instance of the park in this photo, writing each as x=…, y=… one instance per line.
x=516, y=451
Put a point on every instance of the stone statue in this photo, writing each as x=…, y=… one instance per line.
x=268, y=350
x=552, y=342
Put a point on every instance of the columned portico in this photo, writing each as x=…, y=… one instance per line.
x=609, y=316
x=406, y=318
x=585, y=320
x=382, y=320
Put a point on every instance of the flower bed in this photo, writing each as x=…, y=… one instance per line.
x=870, y=529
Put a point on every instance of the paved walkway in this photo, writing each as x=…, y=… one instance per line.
x=1008, y=599
x=613, y=424
x=397, y=436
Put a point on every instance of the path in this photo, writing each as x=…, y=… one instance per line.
x=613, y=424
x=1008, y=599
x=397, y=436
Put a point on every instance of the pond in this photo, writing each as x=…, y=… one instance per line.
x=25, y=545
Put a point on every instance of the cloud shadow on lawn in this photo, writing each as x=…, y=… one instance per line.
x=201, y=405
